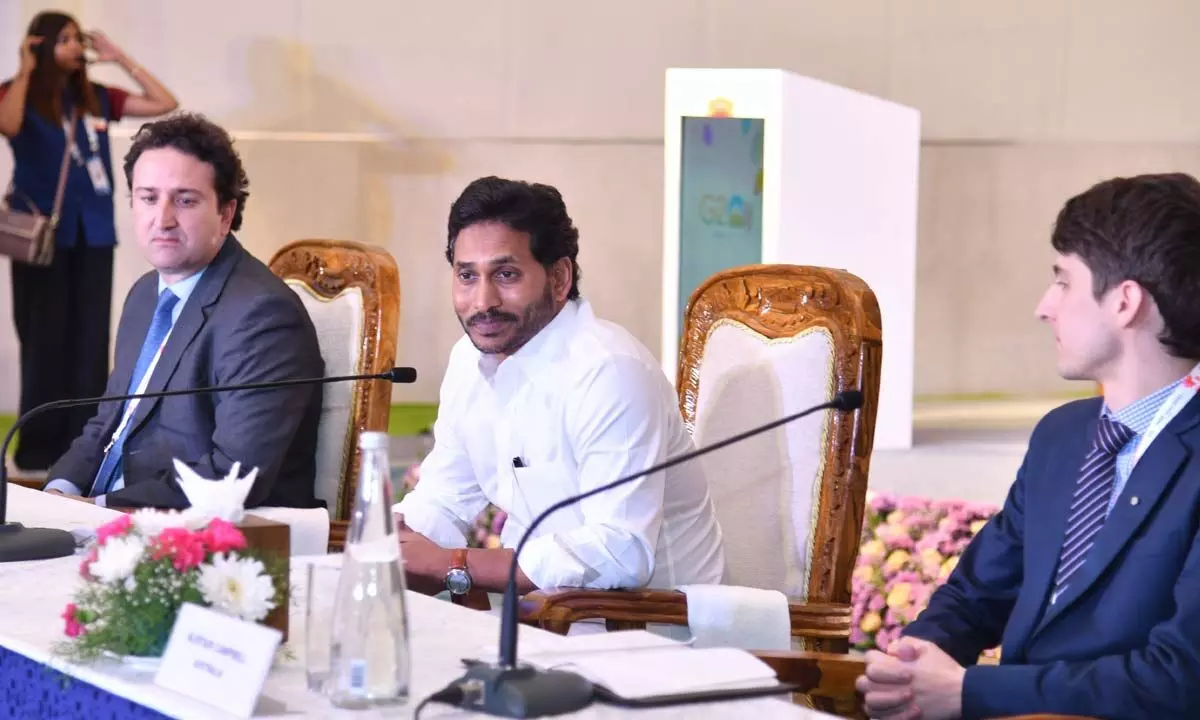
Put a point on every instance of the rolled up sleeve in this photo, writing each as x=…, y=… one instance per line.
x=618, y=429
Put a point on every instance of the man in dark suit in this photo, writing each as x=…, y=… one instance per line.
x=1089, y=576
x=209, y=314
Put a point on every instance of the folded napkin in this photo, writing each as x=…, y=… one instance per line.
x=739, y=617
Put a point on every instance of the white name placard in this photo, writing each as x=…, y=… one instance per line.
x=218, y=659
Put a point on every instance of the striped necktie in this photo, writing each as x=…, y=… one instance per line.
x=1089, y=504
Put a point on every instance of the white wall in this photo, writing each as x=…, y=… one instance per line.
x=1022, y=103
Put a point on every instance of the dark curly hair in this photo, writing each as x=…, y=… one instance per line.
x=1145, y=229
x=204, y=140
x=530, y=208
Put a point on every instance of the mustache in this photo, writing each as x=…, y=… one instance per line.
x=491, y=316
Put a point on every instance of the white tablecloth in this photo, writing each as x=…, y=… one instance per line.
x=33, y=595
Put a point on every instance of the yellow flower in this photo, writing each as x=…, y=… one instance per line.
x=896, y=560
x=865, y=573
x=898, y=598
x=492, y=542
x=872, y=548
x=948, y=567
x=930, y=556
x=896, y=517
x=977, y=526
x=871, y=622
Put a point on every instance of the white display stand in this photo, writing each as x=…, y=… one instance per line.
x=838, y=189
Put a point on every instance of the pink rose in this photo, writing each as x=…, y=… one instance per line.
x=184, y=547
x=876, y=603
x=114, y=528
x=74, y=628
x=222, y=536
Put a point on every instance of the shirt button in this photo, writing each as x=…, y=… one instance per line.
x=1133, y=500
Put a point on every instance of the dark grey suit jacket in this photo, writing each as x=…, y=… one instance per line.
x=240, y=325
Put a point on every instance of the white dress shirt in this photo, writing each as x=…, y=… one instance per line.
x=182, y=289
x=581, y=404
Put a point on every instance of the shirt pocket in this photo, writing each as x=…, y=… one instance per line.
x=540, y=485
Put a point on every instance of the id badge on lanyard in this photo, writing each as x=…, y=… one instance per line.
x=94, y=165
x=1179, y=397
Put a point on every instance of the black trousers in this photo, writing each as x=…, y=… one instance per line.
x=62, y=313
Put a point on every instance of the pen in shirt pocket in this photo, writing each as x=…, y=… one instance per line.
x=518, y=463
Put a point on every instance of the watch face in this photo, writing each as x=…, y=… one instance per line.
x=458, y=581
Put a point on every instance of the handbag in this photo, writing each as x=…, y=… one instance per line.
x=28, y=236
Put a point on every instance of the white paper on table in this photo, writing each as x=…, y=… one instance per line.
x=647, y=672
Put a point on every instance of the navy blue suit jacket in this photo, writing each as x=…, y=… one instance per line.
x=1123, y=640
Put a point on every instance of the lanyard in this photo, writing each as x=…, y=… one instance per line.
x=131, y=406
x=89, y=128
x=1180, y=396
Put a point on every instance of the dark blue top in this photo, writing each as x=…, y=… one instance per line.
x=37, y=155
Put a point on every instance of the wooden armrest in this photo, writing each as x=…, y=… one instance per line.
x=826, y=680
x=556, y=610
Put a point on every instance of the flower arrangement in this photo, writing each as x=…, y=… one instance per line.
x=909, y=548
x=486, y=531
x=144, y=566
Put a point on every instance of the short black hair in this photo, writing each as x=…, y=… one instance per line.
x=530, y=208
x=1145, y=229
x=204, y=140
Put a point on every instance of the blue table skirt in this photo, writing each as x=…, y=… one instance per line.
x=29, y=690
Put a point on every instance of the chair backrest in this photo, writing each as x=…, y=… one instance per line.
x=761, y=342
x=352, y=294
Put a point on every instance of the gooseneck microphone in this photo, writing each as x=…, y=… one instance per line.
x=507, y=690
x=19, y=543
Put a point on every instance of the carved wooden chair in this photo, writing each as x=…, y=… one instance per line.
x=761, y=342
x=352, y=294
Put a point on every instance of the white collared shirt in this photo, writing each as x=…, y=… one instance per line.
x=581, y=404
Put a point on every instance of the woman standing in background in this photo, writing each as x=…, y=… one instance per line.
x=62, y=311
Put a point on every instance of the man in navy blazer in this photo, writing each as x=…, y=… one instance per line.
x=1089, y=577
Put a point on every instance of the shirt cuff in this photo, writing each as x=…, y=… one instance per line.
x=64, y=486
x=430, y=521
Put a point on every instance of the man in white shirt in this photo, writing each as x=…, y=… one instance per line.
x=542, y=401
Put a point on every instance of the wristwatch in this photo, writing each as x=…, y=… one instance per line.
x=458, y=579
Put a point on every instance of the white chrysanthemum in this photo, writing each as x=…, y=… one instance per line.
x=117, y=558
x=149, y=523
x=237, y=586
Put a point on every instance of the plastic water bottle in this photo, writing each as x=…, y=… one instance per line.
x=369, y=654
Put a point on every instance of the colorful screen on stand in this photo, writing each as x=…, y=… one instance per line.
x=721, y=183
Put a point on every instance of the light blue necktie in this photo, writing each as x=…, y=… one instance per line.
x=160, y=326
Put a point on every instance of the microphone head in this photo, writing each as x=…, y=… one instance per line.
x=848, y=400
x=401, y=375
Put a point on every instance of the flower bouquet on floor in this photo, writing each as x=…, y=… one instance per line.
x=144, y=566
x=909, y=548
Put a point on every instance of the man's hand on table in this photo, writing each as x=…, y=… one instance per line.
x=425, y=562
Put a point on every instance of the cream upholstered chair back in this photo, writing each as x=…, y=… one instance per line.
x=761, y=342
x=352, y=294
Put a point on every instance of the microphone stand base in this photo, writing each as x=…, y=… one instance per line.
x=19, y=543
x=524, y=692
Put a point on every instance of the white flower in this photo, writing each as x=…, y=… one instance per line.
x=149, y=523
x=237, y=586
x=117, y=558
